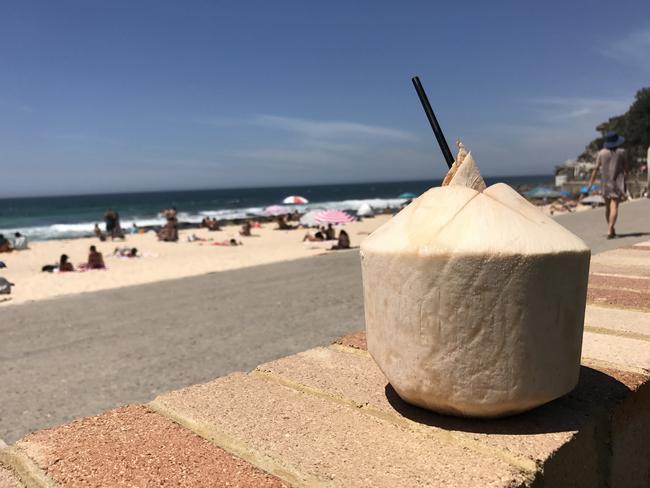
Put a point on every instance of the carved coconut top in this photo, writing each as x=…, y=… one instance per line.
x=465, y=217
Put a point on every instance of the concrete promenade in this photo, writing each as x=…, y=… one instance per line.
x=76, y=356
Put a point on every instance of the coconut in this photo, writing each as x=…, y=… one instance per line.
x=474, y=299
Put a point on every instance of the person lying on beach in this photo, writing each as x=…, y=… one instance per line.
x=195, y=238
x=64, y=264
x=318, y=236
x=282, y=224
x=343, y=242
x=5, y=244
x=231, y=242
x=20, y=242
x=126, y=252
x=245, y=229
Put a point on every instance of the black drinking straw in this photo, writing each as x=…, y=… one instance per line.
x=442, y=142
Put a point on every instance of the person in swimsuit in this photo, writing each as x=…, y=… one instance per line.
x=64, y=264
x=612, y=164
x=95, y=259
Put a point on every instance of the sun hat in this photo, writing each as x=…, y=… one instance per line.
x=612, y=140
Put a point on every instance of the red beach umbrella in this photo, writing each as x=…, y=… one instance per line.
x=295, y=200
x=333, y=217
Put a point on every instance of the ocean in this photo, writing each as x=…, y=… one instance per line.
x=62, y=217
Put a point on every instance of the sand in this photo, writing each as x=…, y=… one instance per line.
x=161, y=260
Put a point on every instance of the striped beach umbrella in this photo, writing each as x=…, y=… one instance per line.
x=276, y=210
x=295, y=200
x=333, y=217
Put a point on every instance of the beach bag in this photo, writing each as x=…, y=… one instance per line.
x=5, y=287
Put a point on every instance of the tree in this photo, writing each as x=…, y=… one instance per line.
x=634, y=125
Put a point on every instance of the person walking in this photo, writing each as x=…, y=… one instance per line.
x=612, y=164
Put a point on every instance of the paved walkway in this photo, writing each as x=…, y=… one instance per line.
x=633, y=226
x=74, y=356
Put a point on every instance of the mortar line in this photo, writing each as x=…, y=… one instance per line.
x=29, y=473
x=618, y=333
x=617, y=275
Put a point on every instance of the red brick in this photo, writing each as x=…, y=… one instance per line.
x=618, y=282
x=132, y=446
x=620, y=298
x=356, y=340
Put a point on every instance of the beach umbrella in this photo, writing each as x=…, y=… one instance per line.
x=543, y=192
x=295, y=200
x=593, y=200
x=309, y=218
x=333, y=216
x=365, y=210
x=408, y=195
x=276, y=210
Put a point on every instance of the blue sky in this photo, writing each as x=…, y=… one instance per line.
x=146, y=95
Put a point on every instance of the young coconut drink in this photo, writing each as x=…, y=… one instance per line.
x=474, y=299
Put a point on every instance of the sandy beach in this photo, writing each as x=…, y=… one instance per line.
x=161, y=260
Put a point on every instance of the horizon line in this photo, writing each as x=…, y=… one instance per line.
x=133, y=192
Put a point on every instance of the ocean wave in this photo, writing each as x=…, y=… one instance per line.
x=84, y=229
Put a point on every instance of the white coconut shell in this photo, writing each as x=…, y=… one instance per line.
x=475, y=300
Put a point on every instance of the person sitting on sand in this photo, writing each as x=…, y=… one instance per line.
x=330, y=233
x=95, y=259
x=282, y=224
x=64, y=264
x=213, y=225
x=343, y=242
x=20, y=242
x=99, y=234
x=245, y=229
x=169, y=233
x=5, y=244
